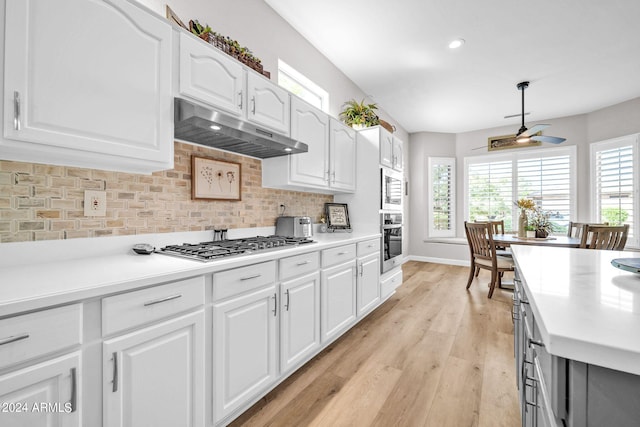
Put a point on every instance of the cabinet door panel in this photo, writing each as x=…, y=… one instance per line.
x=343, y=156
x=398, y=161
x=44, y=394
x=300, y=320
x=210, y=76
x=244, y=348
x=368, y=283
x=338, y=298
x=155, y=376
x=268, y=104
x=99, y=84
x=386, y=149
x=311, y=126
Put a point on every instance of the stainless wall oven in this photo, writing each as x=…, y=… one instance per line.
x=391, y=186
x=391, y=228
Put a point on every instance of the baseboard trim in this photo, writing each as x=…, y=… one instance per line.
x=458, y=262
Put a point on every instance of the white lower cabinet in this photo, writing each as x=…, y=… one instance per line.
x=299, y=319
x=46, y=394
x=155, y=376
x=338, y=299
x=368, y=283
x=244, y=347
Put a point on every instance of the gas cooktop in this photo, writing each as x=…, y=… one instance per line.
x=210, y=251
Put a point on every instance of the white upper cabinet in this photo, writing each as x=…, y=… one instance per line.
x=311, y=126
x=87, y=83
x=330, y=164
x=268, y=104
x=343, y=156
x=386, y=148
x=211, y=76
x=398, y=162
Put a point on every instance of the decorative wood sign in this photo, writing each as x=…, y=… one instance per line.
x=509, y=141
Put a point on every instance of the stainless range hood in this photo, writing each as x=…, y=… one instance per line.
x=210, y=127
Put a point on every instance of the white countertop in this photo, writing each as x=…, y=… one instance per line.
x=587, y=310
x=109, y=266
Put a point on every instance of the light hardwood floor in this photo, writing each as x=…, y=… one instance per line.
x=434, y=354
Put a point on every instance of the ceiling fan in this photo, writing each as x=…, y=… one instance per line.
x=526, y=135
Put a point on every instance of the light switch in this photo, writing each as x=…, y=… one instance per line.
x=95, y=203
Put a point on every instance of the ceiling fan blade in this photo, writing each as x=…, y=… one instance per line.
x=551, y=139
x=515, y=115
x=535, y=129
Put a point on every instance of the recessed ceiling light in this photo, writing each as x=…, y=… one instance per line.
x=215, y=127
x=456, y=43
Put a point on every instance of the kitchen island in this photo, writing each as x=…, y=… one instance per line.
x=577, y=337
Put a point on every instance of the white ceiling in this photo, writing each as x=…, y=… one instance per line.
x=579, y=55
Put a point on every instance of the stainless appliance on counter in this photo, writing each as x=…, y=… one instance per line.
x=294, y=226
x=210, y=251
x=391, y=247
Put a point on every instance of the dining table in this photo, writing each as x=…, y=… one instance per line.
x=557, y=241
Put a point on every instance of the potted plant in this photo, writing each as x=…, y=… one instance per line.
x=531, y=231
x=359, y=115
x=539, y=219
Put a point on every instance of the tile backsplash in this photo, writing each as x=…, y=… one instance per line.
x=46, y=202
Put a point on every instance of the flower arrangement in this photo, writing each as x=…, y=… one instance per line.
x=525, y=204
x=539, y=220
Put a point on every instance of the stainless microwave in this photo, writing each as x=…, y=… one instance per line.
x=391, y=186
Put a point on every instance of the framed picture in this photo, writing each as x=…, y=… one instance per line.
x=509, y=141
x=337, y=216
x=214, y=179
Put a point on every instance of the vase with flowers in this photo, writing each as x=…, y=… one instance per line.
x=525, y=205
x=539, y=219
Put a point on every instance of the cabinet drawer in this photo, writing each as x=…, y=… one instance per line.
x=137, y=308
x=337, y=255
x=240, y=280
x=298, y=265
x=368, y=247
x=31, y=335
x=388, y=285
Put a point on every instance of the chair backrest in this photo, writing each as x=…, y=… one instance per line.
x=497, y=226
x=604, y=237
x=480, y=239
x=576, y=229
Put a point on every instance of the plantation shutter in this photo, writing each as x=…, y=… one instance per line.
x=490, y=193
x=441, y=197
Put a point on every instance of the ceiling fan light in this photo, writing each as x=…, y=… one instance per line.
x=522, y=139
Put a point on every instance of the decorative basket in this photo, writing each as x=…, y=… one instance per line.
x=388, y=126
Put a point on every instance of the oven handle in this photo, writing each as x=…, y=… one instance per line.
x=391, y=227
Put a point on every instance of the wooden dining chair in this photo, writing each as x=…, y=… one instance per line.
x=604, y=237
x=497, y=226
x=483, y=254
x=576, y=229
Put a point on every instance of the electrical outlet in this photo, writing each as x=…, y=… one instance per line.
x=95, y=203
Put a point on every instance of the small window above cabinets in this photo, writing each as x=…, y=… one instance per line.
x=213, y=78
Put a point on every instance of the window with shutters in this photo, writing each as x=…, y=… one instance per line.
x=614, y=172
x=494, y=182
x=441, y=214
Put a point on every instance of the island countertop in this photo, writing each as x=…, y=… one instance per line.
x=587, y=310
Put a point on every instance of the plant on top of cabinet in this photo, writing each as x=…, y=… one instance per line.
x=227, y=45
x=358, y=114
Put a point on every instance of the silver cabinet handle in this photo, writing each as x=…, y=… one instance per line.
x=333, y=177
x=533, y=342
x=16, y=110
x=303, y=263
x=275, y=304
x=253, y=105
x=74, y=391
x=328, y=173
x=240, y=95
x=13, y=338
x=114, y=380
x=288, y=304
x=342, y=253
x=361, y=269
x=165, y=299
x=255, y=276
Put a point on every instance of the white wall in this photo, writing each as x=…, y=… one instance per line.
x=255, y=25
x=614, y=121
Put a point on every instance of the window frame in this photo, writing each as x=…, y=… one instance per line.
x=522, y=154
x=632, y=140
x=306, y=83
x=431, y=232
